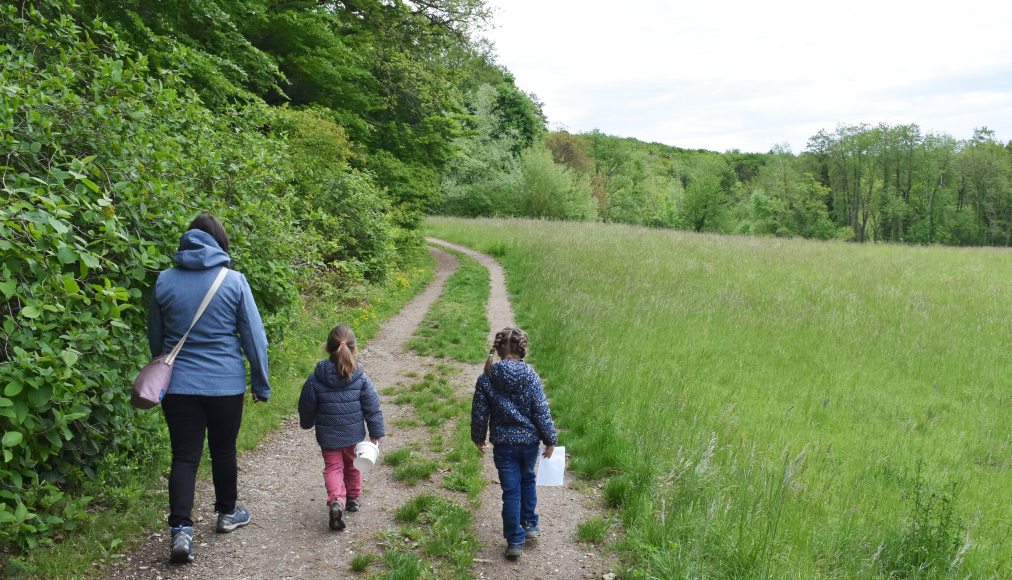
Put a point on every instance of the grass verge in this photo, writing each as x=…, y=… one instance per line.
x=593, y=530
x=140, y=505
x=456, y=327
x=438, y=529
x=465, y=461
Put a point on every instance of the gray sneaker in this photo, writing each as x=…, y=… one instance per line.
x=531, y=531
x=181, y=545
x=352, y=506
x=514, y=551
x=229, y=522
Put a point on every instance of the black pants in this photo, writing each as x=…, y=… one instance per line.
x=188, y=418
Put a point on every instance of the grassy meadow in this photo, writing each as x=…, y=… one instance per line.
x=762, y=407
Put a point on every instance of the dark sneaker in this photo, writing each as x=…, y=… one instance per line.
x=514, y=551
x=181, y=545
x=229, y=522
x=531, y=531
x=336, y=516
x=352, y=506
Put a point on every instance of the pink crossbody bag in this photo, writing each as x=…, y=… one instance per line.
x=153, y=380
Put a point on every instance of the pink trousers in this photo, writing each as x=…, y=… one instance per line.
x=340, y=476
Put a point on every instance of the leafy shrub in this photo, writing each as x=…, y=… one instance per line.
x=104, y=169
x=346, y=210
x=550, y=190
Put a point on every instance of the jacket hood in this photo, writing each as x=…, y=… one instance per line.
x=326, y=373
x=198, y=251
x=510, y=376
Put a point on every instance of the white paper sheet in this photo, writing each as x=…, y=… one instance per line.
x=551, y=470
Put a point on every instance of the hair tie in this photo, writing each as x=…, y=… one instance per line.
x=344, y=342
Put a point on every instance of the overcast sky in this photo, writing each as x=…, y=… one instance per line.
x=749, y=74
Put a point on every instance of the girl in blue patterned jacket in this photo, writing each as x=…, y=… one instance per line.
x=337, y=399
x=510, y=403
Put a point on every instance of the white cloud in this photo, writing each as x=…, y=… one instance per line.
x=747, y=75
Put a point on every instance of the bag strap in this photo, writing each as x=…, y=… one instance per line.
x=203, y=305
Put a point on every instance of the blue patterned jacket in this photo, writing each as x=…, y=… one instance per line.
x=340, y=408
x=510, y=401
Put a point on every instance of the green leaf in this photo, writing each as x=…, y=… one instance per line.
x=91, y=184
x=66, y=255
x=89, y=260
x=12, y=438
x=41, y=396
x=30, y=311
x=5, y=516
x=9, y=288
x=59, y=226
x=70, y=284
x=12, y=389
x=69, y=356
x=5, y=402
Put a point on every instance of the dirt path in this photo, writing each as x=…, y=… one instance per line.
x=556, y=554
x=280, y=482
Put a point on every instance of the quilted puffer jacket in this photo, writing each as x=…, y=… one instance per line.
x=510, y=404
x=340, y=408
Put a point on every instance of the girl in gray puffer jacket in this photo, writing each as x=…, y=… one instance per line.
x=337, y=399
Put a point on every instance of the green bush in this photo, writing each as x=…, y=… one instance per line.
x=549, y=190
x=104, y=167
x=348, y=213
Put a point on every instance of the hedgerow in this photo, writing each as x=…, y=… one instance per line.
x=102, y=166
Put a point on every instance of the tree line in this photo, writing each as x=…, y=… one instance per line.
x=885, y=183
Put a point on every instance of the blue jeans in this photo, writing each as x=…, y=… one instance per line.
x=515, y=464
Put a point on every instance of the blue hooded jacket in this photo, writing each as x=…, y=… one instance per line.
x=210, y=362
x=509, y=400
x=337, y=406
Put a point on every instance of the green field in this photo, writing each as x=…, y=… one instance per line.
x=763, y=407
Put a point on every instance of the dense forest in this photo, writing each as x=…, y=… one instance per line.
x=859, y=182
x=318, y=131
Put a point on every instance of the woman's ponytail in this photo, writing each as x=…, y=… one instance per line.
x=341, y=346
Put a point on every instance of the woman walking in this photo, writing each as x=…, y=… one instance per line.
x=208, y=383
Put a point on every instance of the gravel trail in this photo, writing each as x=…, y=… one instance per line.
x=281, y=483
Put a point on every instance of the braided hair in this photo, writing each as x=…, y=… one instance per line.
x=510, y=340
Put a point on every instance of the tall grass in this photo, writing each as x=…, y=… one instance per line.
x=761, y=407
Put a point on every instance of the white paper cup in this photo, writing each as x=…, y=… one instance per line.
x=366, y=455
